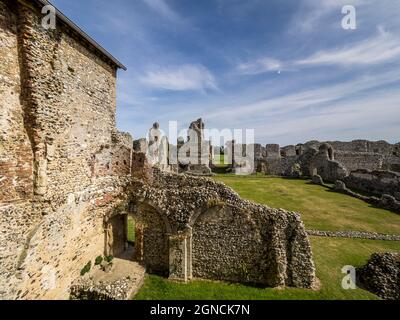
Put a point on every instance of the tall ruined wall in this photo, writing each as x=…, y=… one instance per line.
x=364, y=154
x=360, y=160
x=354, y=155
x=324, y=165
x=229, y=247
x=61, y=159
x=15, y=147
x=70, y=104
x=16, y=154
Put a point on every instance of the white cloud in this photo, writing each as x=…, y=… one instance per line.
x=383, y=48
x=287, y=105
x=363, y=117
x=181, y=78
x=309, y=115
x=260, y=66
x=312, y=12
x=163, y=9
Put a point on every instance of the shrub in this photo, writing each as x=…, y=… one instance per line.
x=98, y=260
x=86, y=268
x=109, y=259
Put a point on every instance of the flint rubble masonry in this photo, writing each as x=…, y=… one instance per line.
x=62, y=162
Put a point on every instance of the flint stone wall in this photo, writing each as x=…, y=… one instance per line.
x=375, y=182
x=62, y=163
x=216, y=235
x=354, y=155
x=364, y=154
x=360, y=160
x=324, y=165
x=153, y=234
x=381, y=275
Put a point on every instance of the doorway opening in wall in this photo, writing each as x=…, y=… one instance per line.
x=122, y=237
x=131, y=231
x=330, y=153
x=130, y=238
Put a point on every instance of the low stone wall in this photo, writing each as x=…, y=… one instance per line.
x=119, y=279
x=354, y=235
x=381, y=275
x=385, y=202
x=376, y=182
x=87, y=290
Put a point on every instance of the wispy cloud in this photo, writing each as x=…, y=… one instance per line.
x=351, y=110
x=312, y=13
x=321, y=97
x=368, y=117
x=383, y=48
x=163, y=9
x=260, y=66
x=187, y=77
x=380, y=49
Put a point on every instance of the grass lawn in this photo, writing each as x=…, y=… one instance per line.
x=131, y=229
x=330, y=255
x=219, y=160
x=320, y=208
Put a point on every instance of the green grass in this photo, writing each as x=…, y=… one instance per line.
x=219, y=161
x=320, y=208
x=131, y=229
x=330, y=255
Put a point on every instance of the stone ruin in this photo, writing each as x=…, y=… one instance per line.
x=69, y=180
x=197, y=151
x=191, y=157
x=361, y=165
x=324, y=164
x=350, y=156
x=195, y=227
x=158, y=148
x=381, y=275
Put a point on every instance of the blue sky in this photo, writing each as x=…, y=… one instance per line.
x=285, y=68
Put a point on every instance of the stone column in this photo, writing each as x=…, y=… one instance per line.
x=189, y=246
x=180, y=256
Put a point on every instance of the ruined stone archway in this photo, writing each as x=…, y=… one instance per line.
x=152, y=231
